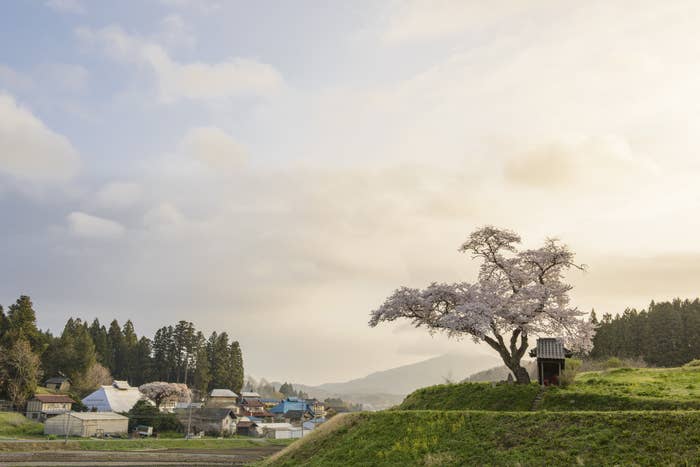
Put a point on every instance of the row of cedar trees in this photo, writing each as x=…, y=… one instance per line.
x=666, y=334
x=92, y=354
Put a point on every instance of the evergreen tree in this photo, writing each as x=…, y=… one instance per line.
x=130, y=343
x=99, y=338
x=115, y=343
x=21, y=324
x=143, y=370
x=237, y=376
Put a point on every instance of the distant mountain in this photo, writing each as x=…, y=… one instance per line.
x=389, y=386
x=499, y=373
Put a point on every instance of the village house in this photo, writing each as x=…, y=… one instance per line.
x=269, y=403
x=249, y=395
x=247, y=428
x=58, y=383
x=254, y=408
x=210, y=420
x=222, y=398
x=43, y=406
x=316, y=407
x=87, y=424
x=117, y=397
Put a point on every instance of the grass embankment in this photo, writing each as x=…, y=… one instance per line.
x=16, y=425
x=629, y=389
x=500, y=438
x=139, y=444
x=472, y=396
x=615, y=389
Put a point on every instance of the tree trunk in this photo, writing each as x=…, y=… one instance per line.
x=521, y=375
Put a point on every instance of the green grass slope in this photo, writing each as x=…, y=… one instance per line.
x=472, y=396
x=629, y=389
x=16, y=425
x=447, y=438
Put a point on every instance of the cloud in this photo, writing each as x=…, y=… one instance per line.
x=202, y=6
x=12, y=79
x=67, y=6
x=88, y=226
x=214, y=147
x=232, y=78
x=594, y=161
x=118, y=195
x=174, y=32
x=30, y=150
x=421, y=20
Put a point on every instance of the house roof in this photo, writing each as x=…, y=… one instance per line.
x=208, y=413
x=246, y=424
x=550, y=348
x=57, y=380
x=222, y=393
x=97, y=416
x=53, y=398
x=112, y=399
x=245, y=394
x=121, y=384
x=252, y=403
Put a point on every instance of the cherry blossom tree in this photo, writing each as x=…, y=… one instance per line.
x=160, y=391
x=518, y=294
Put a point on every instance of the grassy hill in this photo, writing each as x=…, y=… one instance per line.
x=472, y=396
x=618, y=416
x=629, y=389
x=447, y=438
x=615, y=389
x=16, y=425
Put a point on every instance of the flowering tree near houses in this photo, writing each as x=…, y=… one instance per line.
x=160, y=391
x=519, y=293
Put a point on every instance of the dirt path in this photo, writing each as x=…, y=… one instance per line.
x=171, y=457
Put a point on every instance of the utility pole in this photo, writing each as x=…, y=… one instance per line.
x=189, y=422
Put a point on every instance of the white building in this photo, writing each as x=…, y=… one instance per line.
x=281, y=430
x=87, y=424
x=118, y=397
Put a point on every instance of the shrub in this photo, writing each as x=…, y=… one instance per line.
x=692, y=364
x=570, y=371
x=612, y=362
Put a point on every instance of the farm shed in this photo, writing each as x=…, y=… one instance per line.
x=43, y=406
x=551, y=360
x=87, y=424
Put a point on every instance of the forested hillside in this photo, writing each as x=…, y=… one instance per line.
x=666, y=334
x=93, y=354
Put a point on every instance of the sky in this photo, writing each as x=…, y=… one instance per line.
x=276, y=169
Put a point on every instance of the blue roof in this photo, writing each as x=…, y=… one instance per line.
x=291, y=403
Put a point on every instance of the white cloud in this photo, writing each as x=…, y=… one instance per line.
x=162, y=216
x=595, y=162
x=214, y=147
x=235, y=77
x=67, y=6
x=426, y=20
x=30, y=150
x=118, y=195
x=12, y=79
x=88, y=226
x=174, y=33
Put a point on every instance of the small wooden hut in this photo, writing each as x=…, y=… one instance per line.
x=551, y=360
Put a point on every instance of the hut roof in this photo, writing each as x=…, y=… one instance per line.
x=550, y=348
